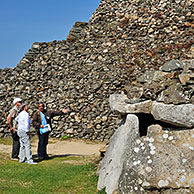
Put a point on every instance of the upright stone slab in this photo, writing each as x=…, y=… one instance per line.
x=112, y=163
x=161, y=162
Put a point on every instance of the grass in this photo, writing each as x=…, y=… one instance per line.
x=6, y=141
x=51, y=176
x=67, y=175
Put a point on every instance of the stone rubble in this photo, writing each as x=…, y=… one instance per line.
x=122, y=42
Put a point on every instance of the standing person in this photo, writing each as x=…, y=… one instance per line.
x=12, y=115
x=42, y=120
x=23, y=132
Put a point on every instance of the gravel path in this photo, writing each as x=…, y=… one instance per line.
x=63, y=147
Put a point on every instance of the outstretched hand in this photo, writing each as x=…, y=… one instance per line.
x=65, y=110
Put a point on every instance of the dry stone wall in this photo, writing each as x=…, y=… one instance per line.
x=123, y=40
x=60, y=82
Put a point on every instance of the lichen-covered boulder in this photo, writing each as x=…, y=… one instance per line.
x=161, y=162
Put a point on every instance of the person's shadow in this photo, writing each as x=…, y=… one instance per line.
x=37, y=159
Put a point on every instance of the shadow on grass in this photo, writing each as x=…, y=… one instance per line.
x=37, y=159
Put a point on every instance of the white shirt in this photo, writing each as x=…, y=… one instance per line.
x=24, y=121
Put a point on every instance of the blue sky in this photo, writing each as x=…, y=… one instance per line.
x=24, y=22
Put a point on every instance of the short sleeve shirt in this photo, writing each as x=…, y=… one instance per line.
x=13, y=114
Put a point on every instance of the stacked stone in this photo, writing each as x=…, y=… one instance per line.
x=172, y=84
x=59, y=82
x=122, y=40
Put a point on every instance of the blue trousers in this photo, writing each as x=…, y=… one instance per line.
x=42, y=144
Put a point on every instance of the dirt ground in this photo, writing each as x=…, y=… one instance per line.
x=58, y=147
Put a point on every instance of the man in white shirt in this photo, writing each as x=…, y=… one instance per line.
x=23, y=132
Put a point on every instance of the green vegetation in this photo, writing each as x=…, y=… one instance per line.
x=61, y=174
x=50, y=176
x=141, y=1
x=65, y=137
x=102, y=191
x=6, y=141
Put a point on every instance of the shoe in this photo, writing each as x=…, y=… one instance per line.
x=47, y=157
x=40, y=158
x=31, y=162
x=22, y=161
x=16, y=159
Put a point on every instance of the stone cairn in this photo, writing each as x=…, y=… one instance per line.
x=120, y=49
x=152, y=149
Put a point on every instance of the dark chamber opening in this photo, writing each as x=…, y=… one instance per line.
x=145, y=120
